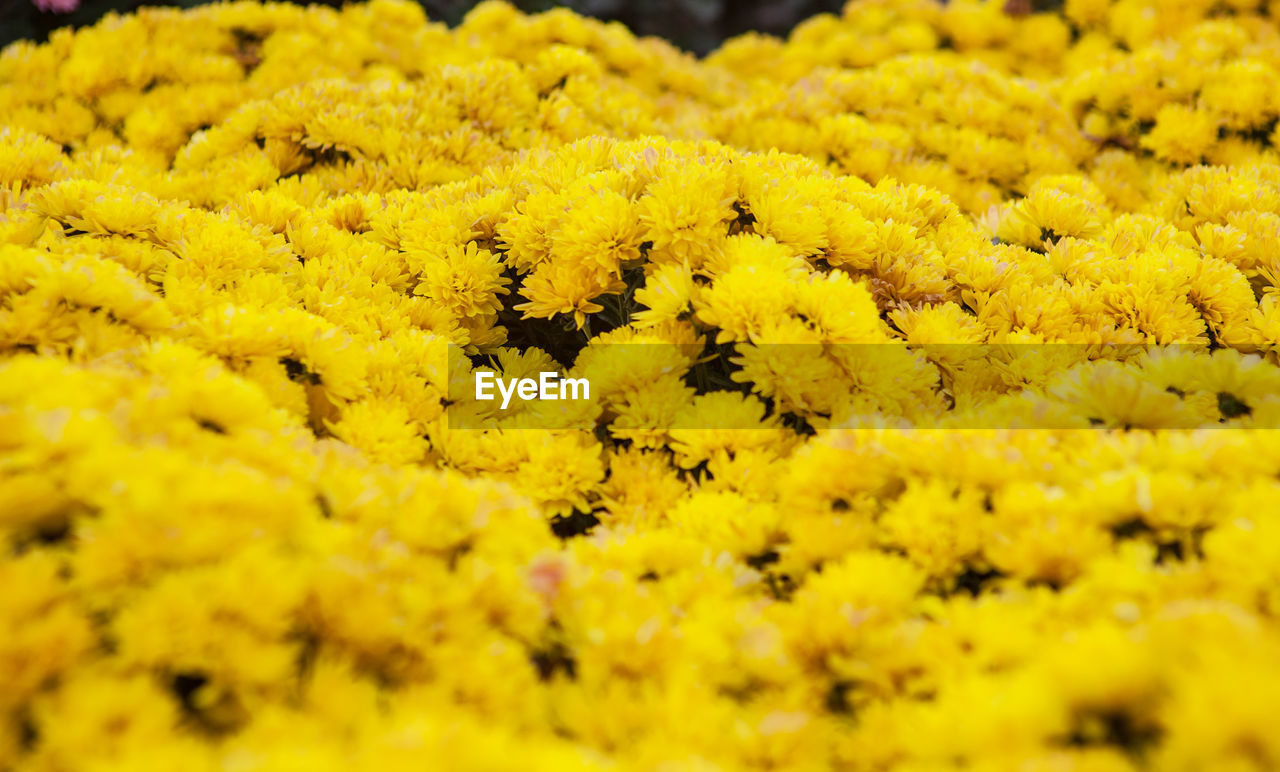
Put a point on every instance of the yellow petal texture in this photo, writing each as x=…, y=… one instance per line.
x=935, y=404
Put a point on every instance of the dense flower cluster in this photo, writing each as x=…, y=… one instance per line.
x=824, y=291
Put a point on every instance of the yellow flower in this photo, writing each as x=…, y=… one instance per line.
x=1182, y=135
x=566, y=288
x=932, y=372
x=27, y=158
x=677, y=219
x=599, y=228
x=466, y=280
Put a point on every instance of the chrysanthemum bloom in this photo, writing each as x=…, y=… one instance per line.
x=933, y=388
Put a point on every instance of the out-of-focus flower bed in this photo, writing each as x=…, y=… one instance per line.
x=695, y=25
x=247, y=252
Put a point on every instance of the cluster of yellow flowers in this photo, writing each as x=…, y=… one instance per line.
x=933, y=369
